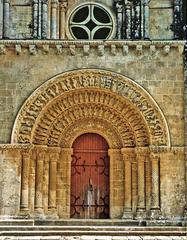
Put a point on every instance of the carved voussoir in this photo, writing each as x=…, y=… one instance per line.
x=2, y=49
x=116, y=87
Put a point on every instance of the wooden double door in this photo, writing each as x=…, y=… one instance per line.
x=90, y=177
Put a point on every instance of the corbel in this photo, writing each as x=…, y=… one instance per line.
x=2, y=49
x=166, y=49
x=86, y=49
x=125, y=50
x=59, y=49
x=72, y=50
x=45, y=49
x=113, y=50
x=139, y=49
x=18, y=49
x=152, y=49
x=32, y=50
x=101, y=50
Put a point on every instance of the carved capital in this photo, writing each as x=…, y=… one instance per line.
x=54, y=3
x=54, y=153
x=128, y=153
x=41, y=152
x=26, y=153
x=113, y=152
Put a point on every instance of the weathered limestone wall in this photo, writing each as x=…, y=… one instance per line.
x=10, y=179
x=158, y=67
x=158, y=71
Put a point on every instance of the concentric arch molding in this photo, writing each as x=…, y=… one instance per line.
x=126, y=91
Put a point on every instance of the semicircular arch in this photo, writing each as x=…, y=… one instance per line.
x=90, y=93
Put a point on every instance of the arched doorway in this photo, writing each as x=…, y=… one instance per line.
x=90, y=177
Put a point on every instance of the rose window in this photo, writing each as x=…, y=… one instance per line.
x=91, y=22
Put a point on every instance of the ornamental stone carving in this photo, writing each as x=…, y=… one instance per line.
x=91, y=93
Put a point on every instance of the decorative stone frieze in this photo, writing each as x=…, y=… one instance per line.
x=124, y=47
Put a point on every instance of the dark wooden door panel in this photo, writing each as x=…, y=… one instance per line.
x=90, y=177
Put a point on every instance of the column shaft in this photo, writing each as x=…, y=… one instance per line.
x=25, y=181
x=35, y=18
x=64, y=182
x=39, y=179
x=128, y=156
x=63, y=7
x=142, y=154
x=44, y=19
x=155, y=184
x=54, y=19
x=6, y=19
x=146, y=19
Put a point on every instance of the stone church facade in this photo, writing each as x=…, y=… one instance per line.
x=108, y=69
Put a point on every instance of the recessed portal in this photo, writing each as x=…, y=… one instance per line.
x=90, y=177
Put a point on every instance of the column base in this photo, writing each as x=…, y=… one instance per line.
x=155, y=214
x=127, y=214
x=52, y=214
x=39, y=213
x=141, y=214
x=24, y=213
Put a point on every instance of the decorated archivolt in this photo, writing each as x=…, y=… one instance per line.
x=97, y=95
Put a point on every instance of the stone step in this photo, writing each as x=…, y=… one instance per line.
x=90, y=233
x=16, y=222
x=91, y=228
x=95, y=238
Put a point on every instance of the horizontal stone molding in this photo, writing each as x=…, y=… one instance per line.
x=44, y=46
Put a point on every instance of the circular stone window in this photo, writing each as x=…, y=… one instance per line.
x=91, y=22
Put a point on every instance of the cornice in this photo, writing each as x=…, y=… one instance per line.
x=46, y=45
